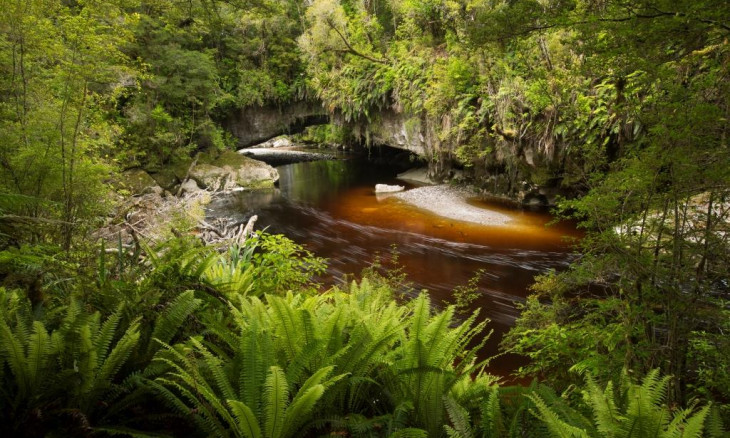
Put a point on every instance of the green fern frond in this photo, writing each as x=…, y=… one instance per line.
x=256, y=359
x=168, y=323
x=555, y=424
x=118, y=356
x=247, y=424
x=300, y=408
x=491, y=415
x=14, y=354
x=39, y=352
x=214, y=366
x=459, y=418
x=105, y=334
x=275, y=397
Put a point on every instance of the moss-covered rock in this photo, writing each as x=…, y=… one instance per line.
x=209, y=176
x=139, y=182
x=166, y=178
x=229, y=169
x=247, y=172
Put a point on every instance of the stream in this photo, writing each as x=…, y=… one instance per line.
x=330, y=207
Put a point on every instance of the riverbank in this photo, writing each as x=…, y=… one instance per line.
x=451, y=202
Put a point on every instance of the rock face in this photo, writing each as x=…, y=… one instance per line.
x=252, y=125
x=401, y=131
x=283, y=155
x=419, y=175
x=209, y=176
x=521, y=169
x=386, y=188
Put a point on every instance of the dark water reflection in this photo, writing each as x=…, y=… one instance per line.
x=331, y=208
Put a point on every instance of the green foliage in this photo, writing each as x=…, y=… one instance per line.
x=464, y=295
x=392, y=364
x=283, y=265
x=635, y=411
x=70, y=363
x=624, y=104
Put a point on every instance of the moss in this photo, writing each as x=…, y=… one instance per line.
x=226, y=158
x=261, y=184
x=137, y=181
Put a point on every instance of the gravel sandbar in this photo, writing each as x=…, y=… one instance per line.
x=450, y=202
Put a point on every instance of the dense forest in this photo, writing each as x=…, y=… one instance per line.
x=619, y=108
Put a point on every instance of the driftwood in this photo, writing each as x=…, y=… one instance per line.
x=224, y=232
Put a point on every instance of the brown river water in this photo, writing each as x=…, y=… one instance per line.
x=330, y=207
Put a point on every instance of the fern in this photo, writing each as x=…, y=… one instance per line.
x=168, y=323
x=643, y=415
x=459, y=418
x=74, y=366
x=275, y=396
x=247, y=423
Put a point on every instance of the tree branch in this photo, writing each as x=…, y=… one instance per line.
x=351, y=49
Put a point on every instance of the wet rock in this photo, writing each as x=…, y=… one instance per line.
x=276, y=142
x=387, y=188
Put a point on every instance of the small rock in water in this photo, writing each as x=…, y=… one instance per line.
x=387, y=188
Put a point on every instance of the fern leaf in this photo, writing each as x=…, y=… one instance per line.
x=215, y=367
x=491, y=414
x=459, y=418
x=275, y=398
x=409, y=433
x=255, y=352
x=39, y=351
x=247, y=424
x=301, y=408
x=15, y=356
x=604, y=411
x=118, y=356
x=169, y=322
x=104, y=338
x=286, y=325
x=557, y=427
x=694, y=426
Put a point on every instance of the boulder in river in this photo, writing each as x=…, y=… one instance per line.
x=387, y=188
x=209, y=176
x=229, y=170
x=245, y=171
